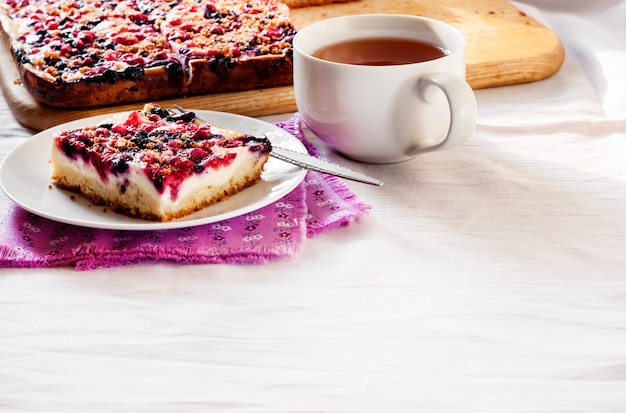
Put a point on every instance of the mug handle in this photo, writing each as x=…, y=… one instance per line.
x=462, y=104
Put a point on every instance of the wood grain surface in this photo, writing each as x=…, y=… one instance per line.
x=505, y=46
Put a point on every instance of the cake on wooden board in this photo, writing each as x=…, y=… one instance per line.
x=86, y=53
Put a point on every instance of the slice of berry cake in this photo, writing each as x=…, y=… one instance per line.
x=155, y=165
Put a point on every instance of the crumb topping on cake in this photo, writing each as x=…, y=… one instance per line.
x=229, y=28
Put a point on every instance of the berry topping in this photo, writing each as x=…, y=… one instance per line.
x=169, y=148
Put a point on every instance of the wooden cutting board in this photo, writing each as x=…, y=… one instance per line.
x=505, y=46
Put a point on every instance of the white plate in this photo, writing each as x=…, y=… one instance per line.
x=25, y=178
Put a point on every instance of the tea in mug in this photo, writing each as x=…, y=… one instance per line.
x=380, y=52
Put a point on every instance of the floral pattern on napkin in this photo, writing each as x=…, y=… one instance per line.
x=320, y=203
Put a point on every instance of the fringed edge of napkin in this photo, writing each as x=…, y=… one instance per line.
x=89, y=257
x=9, y=258
x=146, y=254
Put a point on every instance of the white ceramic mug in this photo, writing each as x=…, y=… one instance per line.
x=384, y=114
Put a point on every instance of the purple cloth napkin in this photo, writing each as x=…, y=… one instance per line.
x=278, y=230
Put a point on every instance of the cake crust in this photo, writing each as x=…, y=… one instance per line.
x=154, y=83
x=247, y=74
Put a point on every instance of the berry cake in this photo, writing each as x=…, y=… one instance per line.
x=154, y=165
x=85, y=53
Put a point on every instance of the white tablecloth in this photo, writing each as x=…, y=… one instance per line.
x=487, y=278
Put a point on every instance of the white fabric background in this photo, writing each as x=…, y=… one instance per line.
x=487, y=278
